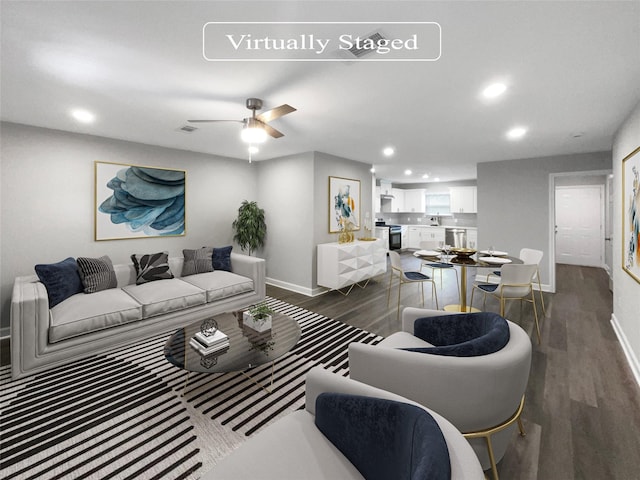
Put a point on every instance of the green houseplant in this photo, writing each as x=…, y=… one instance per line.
x=258, y=317
x=250, y=227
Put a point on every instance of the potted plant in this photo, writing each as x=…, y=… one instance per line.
x=258, y=317
x=250, y=227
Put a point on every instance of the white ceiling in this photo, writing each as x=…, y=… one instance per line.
x=570, y=67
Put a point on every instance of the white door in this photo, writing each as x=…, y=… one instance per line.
x=580, y=225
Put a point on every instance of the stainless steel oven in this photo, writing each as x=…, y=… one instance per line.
x=395, y=235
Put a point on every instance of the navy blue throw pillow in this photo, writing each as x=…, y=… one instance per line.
x=221, y=258
x=61, y=280
x=384, y=439
x=463, y=335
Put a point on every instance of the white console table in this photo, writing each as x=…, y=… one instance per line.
x=343, y=265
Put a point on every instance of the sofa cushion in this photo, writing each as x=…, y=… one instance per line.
x=197, y=261
x=97, y=274
x=384, y=438
x=220, y=284
x=221, y=258
x=61, y=280
x=82, y=313
x=167, y=296
x=151, y=267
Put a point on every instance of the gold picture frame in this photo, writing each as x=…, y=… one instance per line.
x=134, y=201
x=631, y=214
x=344, y=203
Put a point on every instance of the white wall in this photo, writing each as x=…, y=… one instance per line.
x=513, y=200
x=48, y=203
x=626, y=291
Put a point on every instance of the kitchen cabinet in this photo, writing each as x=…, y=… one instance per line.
x=418, y=234
x=464, y=199
x=414, y=200
x=397, y=203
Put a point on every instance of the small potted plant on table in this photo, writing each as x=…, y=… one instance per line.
x=258, y=317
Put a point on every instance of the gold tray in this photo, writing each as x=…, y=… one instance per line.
x=367, y=239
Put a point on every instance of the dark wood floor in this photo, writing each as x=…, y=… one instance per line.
x=582, y=413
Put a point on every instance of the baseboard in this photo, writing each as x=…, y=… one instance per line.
x=626, y=348
x=296, y=288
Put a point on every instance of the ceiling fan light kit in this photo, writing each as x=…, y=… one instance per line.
x=255, y=128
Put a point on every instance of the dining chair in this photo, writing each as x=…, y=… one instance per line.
x=516, y=283
x=407, y=277
x=437, y=266
x=528, y=255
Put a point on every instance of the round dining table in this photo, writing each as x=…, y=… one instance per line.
x=475, y=260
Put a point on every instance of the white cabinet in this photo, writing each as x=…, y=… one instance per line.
x=414, y=200
x=464, y=199
x=344, y=264
x=418, y=234
x=397, y=202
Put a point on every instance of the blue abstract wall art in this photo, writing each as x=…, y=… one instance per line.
x=631, y=214
x=138, y=202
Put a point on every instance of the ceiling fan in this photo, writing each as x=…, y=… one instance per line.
x=256, y=128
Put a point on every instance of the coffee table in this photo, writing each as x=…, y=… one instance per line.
x=247, y=347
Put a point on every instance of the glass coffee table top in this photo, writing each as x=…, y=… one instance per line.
x=247, y=347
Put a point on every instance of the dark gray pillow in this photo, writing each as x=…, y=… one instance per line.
x=197, y=261
x=222, y=258
x=61, y=280
x=151, y=267
x=97, y=274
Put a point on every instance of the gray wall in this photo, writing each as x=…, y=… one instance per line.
x=626, y=290
x=48, y=204
x=513, y=201
x=285, y=192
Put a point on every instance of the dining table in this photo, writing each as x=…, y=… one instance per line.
x=482, y=258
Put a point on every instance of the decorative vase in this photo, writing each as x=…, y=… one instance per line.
x=257, y=324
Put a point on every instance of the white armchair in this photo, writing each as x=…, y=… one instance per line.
x=475, y=393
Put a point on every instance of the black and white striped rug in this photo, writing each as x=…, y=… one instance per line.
x=121, y=414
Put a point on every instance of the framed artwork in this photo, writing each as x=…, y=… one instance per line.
x=344, y=203
x=631, y=214
x=138, y=202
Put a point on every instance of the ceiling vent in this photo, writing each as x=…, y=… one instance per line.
x=357, y=49
x=187, y=129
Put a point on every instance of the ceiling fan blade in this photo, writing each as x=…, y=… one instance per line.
x=272, y=131
x=209, y=121
x=275, y=113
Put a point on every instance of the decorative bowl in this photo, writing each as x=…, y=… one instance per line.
x=463, y=252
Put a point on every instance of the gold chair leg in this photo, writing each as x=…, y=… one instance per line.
x=492, y=460
x=399, y=290
x=472, y=292
x=521, y=427
x=435, y=294
x=535, y=315
x=544, y=310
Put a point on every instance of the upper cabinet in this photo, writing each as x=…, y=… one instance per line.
x=397, y=203
x=414, y=200
x=464, y=199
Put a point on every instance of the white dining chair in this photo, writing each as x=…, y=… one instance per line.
x=405, y=276
x=516, y=283
x=437, y=266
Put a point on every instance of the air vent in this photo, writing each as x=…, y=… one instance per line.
x=187, y=129
x=372, y=39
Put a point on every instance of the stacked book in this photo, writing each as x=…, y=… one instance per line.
x=209, y=345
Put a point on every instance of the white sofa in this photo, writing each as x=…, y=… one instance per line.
x=86, y=324
x=294, y=448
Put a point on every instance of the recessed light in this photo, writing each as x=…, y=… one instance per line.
x=83, y=116
x=253, y=149
x=425, y=176
x=437, y=179
x=388, y=151
x=408, y=172
x=516, y=133
x=494, y=90
x=372, y=169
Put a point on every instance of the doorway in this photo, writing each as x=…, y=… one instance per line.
x=580, y=225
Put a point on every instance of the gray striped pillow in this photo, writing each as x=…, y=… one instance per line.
x=197, y=261
x=97, y=274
